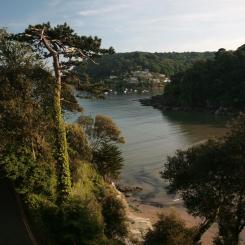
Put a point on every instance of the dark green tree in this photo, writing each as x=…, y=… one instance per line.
x=211, y=180
x=103, y=136
x=216, y=85
x=73, y=223
x=28, y=133
x=108, y=161
x=114, y=217
x=120, y=64
x=25, y=147
x=170, y=230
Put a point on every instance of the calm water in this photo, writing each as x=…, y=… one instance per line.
x=150, y=137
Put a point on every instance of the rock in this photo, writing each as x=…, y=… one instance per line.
x=128, y=189
x=137, y=226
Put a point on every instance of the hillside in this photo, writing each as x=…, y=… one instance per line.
x=216, y=85
x=121, y=63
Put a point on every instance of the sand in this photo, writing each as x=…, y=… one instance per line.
x=152, y=212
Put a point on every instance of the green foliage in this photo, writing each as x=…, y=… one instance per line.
x=100, y=148
x=78, y=148
x=209, y=84
x=122, y=63
x=25, y=112
x=28, y=174
x=104, y=135
x=211, y=179
x=62, y=36
x=114, y=217
x=78, y=142
x=108, y=161
x=67, y=49
x=90, y=216
x=69, y=101
x=61, y=155
x=90, y=185
x=31, y=130
x=102, y=197
x=17, y=163
x=107, y=130
x=101, y=129
x=170, y=230
x=74, y=223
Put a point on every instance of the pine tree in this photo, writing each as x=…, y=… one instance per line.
x=66, y=49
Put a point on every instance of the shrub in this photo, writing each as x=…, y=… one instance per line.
x=73, y=223
x=78, y=148
x=108, y=161
x=170, y=230
x=114, y=217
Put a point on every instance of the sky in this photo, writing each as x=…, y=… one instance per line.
x=138, y=25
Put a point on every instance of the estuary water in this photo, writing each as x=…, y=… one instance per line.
x=152, y=135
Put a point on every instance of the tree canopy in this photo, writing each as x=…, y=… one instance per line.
x=211, y=180
x=104, y=137
x=210, y=84
x=121, y=63
x=30, y=112
x=26, y=122
x=67, y=49
x=170, y=230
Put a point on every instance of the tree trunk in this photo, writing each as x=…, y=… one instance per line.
x=62, y=158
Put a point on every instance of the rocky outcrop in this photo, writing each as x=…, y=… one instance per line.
x=137, y=226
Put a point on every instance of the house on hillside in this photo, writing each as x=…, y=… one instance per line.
x=133, y=80
x=112, y=77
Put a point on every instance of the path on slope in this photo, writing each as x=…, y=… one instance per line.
x=12, y=227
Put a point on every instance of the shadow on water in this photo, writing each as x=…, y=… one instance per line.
x=195, y=118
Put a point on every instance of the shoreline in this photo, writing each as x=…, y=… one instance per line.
x=150, y=212
x=219, y=111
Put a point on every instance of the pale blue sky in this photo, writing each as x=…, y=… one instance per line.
x=143, y=25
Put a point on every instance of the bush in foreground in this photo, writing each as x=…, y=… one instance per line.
x=170, y=230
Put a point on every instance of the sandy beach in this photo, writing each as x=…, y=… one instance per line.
x=152, y=212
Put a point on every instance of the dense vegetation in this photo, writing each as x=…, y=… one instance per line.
x=210, y=84
x=55, y=167
x=63, y=172
x=211, y=180
x=66, y=49
x=121, y=63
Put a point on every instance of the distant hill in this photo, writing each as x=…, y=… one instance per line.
x=120, y=63
x=217, y=85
